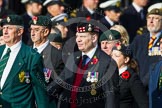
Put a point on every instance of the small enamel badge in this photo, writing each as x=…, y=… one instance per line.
x=47, y=74
x=22, y=76
x=27, y=80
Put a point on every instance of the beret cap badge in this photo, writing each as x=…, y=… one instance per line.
x=35, y=19
x=89, y=27
x=110, y=37
x=8, y=19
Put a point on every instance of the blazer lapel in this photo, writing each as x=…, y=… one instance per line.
x=1, y=50
x=74, y=61
x=17, y=65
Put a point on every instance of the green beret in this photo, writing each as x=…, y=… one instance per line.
x=86, y=27
x=110, y=35
x=41, y=21
x=155, y=11
x=54, y=37
x=12, y=20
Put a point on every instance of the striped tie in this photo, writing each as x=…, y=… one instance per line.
x=3, y=61
x=151, y=41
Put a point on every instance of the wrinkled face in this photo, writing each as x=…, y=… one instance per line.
x=114, y=16
x=36, y=8
x=55, y=9
x=63, y=30
x=107, y=46
x=154, y=23
x=119, y=58
x=37, y=34
x=85, y=41
x=92, y=3
x=11, y=34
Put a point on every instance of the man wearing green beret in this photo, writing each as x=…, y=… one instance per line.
x=22, y=83
x=108, y=40
x=40, y=28
x=33, y=8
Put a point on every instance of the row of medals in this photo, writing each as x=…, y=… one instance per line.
x=93, y=78
x=154, y=51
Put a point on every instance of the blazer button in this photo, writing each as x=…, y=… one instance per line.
x=0, y=106
x=0, y=93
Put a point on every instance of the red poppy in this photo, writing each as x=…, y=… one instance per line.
x=95, y=60
x=35, y=18
x=88, y=18
x=125, y=75
x=117, y=44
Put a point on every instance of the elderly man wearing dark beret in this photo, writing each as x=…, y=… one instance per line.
x=22, y=83
x=108, y=40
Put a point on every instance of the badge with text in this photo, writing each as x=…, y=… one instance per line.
x=47, y=74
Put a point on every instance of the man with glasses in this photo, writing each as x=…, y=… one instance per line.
x=40, y=28
x=108, y=40
x=22, y=83
x=146, y=49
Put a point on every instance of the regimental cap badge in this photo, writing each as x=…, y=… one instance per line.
x=110, y=37
x=118, y=4
x=35, y=19
x=89, y=27
x=118, y=46
x=157, y=11
x=65, y=19
x=8, y=19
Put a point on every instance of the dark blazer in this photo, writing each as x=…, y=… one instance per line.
x=26, y=35
x=140, y=52
x=105, y=22
x=83, y=12
x=52, y=59
x=16, y=93
x=107, y=94
x=155, y=94
x=132, y=90
x=132, y=21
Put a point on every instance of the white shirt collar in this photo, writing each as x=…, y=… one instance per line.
x=90, y=54
x=123, y=69
x=110, y=21
x=138, y=8
x=14, y=47
x=90, y=10
x=41, y=47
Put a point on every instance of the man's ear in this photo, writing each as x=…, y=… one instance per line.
x=20, y=31
x=126, y=59
x=94, y=38
x=46, y=32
